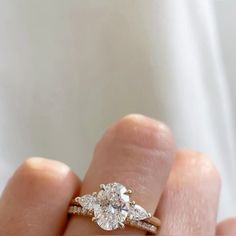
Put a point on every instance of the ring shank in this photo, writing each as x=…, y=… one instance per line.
x=154, y=221
x=150, y=225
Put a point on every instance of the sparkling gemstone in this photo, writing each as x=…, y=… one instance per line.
x=112, y=206
x=87, y=202
x=137, y=213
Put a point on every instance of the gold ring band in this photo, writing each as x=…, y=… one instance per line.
x=111, y=208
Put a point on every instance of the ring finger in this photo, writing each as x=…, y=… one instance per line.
x=137, y=152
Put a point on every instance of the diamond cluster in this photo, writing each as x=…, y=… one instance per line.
x=112, y=207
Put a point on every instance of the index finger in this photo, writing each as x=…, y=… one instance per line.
x=35, y=200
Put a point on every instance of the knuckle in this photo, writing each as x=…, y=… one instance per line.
x=144, y=132
x=36, y=170
x=138, y=138
x=29, y=173
x=202, y=164
x=29, y=167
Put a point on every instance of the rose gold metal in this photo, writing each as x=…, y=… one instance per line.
x=150, y=225
x=154, y=221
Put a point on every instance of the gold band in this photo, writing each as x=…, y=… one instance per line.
x=112, y=208
x=150, y=225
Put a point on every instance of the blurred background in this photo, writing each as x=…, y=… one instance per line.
x=68, y=69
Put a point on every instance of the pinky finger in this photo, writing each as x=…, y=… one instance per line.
x=190, y=200
x=227, y=227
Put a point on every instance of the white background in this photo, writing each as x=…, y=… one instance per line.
x=68, y=69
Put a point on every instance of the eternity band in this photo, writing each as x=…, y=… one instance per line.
x=111, y=208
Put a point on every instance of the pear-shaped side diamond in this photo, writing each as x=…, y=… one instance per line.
x=137, y=213
x=87, y=202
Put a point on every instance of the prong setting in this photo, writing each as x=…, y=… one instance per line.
x=129, y=192
x=132, y=203
x=77, y=199
x=102, y=186
x=121, y=225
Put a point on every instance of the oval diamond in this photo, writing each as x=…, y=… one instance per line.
x=112, y=206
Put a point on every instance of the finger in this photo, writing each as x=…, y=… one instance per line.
x=227, y=227
x=35, y=200
x=190, y=200
x=137, y=152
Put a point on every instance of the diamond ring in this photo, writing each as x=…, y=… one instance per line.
x=111, y=208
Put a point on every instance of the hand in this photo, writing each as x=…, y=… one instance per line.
x=180, y=187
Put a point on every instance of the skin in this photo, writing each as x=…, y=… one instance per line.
x=181, y=187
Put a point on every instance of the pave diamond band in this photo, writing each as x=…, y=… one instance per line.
x=111, y=208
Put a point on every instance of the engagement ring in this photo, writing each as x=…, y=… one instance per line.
x=112, y=208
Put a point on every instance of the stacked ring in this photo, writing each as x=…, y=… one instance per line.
x=111, y=208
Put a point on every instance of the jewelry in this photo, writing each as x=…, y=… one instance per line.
x=111, y=208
